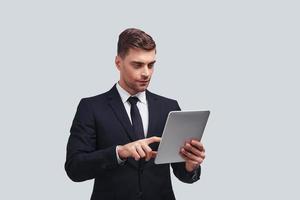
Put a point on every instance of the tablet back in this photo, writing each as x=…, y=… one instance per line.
x=180, y=126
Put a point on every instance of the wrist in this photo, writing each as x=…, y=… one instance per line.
x=191, y=168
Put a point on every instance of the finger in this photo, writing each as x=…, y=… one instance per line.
x=191, y=156
x=183, y=156
x=147, y=150
x=192, y=162
x=188, y=160
x=198, y=145
x=153, y=154
x=140, y=151
x=203, y=155
x=192, y=149
x=134, y=153
x=152, y=139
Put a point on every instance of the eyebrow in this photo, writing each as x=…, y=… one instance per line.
x=138, y=62
x=152, y=62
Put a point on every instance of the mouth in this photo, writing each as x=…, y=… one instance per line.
x=143, y=81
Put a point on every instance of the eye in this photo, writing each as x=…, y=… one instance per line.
x=137, y=65
x=151, y=65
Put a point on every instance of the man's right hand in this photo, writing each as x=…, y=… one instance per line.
x=138, y=149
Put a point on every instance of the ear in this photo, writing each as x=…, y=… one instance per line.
x=118, y=62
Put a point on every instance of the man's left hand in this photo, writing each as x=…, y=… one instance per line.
x=193, y=153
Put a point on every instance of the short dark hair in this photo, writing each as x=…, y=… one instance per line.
x=134, y=38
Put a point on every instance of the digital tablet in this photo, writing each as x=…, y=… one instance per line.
x=180, y=126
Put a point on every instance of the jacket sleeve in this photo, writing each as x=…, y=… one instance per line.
x=84, y=161
x=179, y=168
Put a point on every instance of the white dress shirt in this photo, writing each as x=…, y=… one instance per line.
x=142, y=106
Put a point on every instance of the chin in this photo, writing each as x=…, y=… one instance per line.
x=142, y=88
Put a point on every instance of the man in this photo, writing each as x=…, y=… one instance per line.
x=115, y=135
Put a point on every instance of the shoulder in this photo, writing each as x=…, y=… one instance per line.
x=94, y=100
x=162, y=99
x=159, y=97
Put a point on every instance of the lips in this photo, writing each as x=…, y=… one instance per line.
x=143, y=81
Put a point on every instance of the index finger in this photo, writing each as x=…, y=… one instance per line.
x=197, y=144
x=153, y=139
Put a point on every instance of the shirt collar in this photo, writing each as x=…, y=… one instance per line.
x=125, y=95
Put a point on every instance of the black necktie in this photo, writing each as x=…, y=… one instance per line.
x=136, y=119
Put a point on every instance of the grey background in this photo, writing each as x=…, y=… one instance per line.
x=239, y=59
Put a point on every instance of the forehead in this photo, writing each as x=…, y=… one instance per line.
x=140, y=55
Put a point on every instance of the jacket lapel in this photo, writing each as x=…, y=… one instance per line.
x=117, y=106
x=154, y=114
x=154, y=109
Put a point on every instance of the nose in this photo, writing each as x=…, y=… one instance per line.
x=145, y=72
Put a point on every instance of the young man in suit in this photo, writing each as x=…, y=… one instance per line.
x=114, y=135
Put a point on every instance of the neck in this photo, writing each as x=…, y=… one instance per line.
x=125, y=87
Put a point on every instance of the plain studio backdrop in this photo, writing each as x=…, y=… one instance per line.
x=239, y=59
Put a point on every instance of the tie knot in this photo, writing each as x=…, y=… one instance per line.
x=133, y=100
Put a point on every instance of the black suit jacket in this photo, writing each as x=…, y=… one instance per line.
x=100, y=124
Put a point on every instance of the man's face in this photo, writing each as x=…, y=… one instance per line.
x=136, y=69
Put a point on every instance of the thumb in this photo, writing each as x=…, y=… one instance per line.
x=153, y=154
